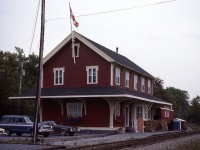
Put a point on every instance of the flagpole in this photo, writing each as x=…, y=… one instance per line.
x=73, y=51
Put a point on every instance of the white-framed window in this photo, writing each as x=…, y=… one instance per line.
x=139, y=112
x=117, y=76
x=117, y=110
x=166, y=113
x=58, y=76
x=149, y=86
x=135, y=82
x=92, y=74
x=143, y=84
x=74, y=109
x=76, y=50
x=127, y=75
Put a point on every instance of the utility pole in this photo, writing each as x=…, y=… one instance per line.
x=20, y=84
x=40, y=67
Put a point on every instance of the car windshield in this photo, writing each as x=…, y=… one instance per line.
x=28, y=120
x=58, y=123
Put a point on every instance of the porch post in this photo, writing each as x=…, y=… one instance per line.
x=112, y=108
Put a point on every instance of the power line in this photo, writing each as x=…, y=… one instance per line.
x=116, y=10
x=34, y=26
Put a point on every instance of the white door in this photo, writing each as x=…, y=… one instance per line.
x=127, y=116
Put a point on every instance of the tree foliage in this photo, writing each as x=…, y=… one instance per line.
x=194, y=112
x=11, y=69
x=178, y=98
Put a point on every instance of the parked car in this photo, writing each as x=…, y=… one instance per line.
x=2, y=131
x=22, y=124
x=61, y=129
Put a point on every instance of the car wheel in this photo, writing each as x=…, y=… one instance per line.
x=7, y=131
x=19, y=134
x=45, y=134
x=71, y=134
x=63, y=132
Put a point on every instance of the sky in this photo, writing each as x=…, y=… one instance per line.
x=163, y=39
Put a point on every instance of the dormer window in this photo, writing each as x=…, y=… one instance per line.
x=143, y=84
x=149, y=86
x=127, y=78
x=117, y=76
x=58, y=76
x=76, y=50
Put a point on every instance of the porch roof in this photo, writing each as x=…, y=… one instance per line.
x=83, y=92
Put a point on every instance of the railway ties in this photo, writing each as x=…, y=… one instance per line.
x=133, y=143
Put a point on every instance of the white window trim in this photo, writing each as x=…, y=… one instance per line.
x=92, y=67
x=117, y=75
x=78, y=49
x=166, y=113
x=149, y=86
x=127, y=78
x=79, y=104
x=58, y=69
x=142, y=84
x=135, y=82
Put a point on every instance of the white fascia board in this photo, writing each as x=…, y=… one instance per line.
x=166, y=109
x=25, y=97
x=57, y=48
x=82, y=39
x=90, y=96
x=94, y=48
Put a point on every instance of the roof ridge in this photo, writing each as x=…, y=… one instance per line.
x=119, y=58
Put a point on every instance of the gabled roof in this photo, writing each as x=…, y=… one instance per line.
x=104, y=52
x=81, y=92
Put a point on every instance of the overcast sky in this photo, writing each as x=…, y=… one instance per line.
x=163, y=39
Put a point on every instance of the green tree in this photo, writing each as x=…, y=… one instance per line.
x=194, y=112
x=12, y=66
x=179, y=99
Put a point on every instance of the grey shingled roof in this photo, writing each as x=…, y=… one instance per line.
x=100, y=91
x=120, y=59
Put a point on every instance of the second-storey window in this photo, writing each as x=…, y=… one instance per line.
x=58, y=76
x=127, y=79
x=149, y=86
x=143, y=84
x=92, y=74
x=135, y=82
x=117, y=76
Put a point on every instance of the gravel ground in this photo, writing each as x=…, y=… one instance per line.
x=101, y=140
x=171, y=144
x=84, y=140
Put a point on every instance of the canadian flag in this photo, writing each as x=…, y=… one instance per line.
x=76, y=24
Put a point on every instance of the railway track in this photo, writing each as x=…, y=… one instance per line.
x=133, y=143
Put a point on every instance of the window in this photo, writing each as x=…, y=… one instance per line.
x=117, y=110
x=76, y=50
x=149, y=86
x=127, y=79
x=58, y=76
x=166, y=113
x=92, y=74
x=139, y=112
x=74, y=109
x=143, y=85
x=117, y=76
x=135, y=81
